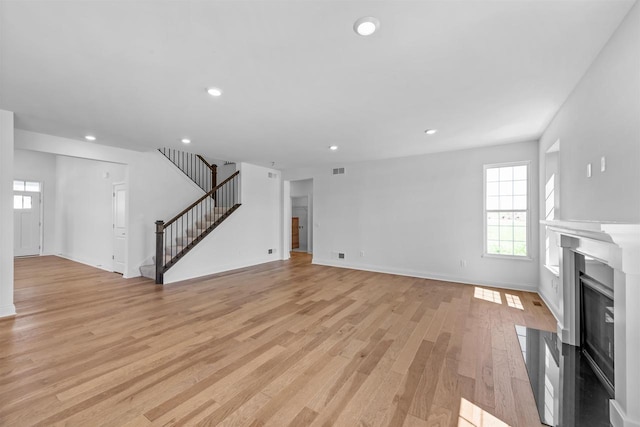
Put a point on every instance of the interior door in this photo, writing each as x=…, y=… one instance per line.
x=26, y=223
x=295, y=232
x=119, y=227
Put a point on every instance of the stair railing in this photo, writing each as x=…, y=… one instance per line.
x=194, y=166
x=181, y=233
x=213, y=168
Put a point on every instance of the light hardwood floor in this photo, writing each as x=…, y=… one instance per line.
x=282, y=344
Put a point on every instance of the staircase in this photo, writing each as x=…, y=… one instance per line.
x=177, y=236
x=194, y=166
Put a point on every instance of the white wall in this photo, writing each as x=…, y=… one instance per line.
x=418, y=216
x=7, y=307
x=84, y=209
x=26, y=140
x=223, y=171
x=35, y=166
x=244, y=238
x=285, y=233
x=600, y=118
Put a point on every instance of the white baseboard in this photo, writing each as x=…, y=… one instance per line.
x=425, y=275
x=552, y=307
x=8, y=310
x=71, y=258
x=220, y=269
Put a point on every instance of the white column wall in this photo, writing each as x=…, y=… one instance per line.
x=7, y=307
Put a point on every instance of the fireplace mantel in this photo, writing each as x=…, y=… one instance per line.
x=622, y=234
x=617, y=245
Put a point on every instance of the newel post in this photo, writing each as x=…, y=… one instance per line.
x=159, y=252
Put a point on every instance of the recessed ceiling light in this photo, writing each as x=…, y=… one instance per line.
x=430, y=131
x=366, y=26
x=90, y=137
x=214, y=91
x=185, y=141
x=333, y=147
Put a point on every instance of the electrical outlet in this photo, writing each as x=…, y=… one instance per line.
x=270, y=251
x=340, y=255
x=588, y=170
x=463, y=263
x=603, y=164
x=361, y=253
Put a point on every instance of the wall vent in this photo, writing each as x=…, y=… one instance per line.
x=338, y=171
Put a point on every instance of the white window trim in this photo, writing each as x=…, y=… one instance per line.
x=24, y=181
x=485, y=254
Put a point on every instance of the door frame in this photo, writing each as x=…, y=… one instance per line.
x=287, y=211
x=305, y=224
x=40, y=214
x=113, y=222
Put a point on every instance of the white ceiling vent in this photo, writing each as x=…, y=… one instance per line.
x=338, y=171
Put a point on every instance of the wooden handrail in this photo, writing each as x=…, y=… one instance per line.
x=212, y=167
x=194, y=204
x=202, y=159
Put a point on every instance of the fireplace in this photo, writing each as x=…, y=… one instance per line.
x=596, y=302
x=596, y=332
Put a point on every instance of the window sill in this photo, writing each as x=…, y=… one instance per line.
x=508, y=257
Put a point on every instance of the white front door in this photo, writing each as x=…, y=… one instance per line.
x=26, y=223
x=119, y=227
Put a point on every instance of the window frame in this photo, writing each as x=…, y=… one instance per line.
x=22, y=198
x=485, y=253
x=24, y=186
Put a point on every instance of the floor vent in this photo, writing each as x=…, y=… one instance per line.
x=537, y=303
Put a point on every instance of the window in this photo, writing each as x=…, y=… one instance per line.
x=29, y=186
x=21, y=202
x=506, y=209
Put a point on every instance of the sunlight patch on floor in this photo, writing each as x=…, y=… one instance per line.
x=513, y=301
x=474, y=416
x=487, y=295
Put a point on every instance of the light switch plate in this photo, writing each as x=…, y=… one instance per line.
x=603, y=164
x=588, y=170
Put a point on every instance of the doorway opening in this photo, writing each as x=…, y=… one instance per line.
x=301, y=217
x=299, y=224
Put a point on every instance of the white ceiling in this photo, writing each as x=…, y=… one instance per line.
x=295, y=76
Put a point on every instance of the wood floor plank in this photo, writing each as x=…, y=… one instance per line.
x=286, y=343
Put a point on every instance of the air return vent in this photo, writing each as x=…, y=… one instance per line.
x=338, y=171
